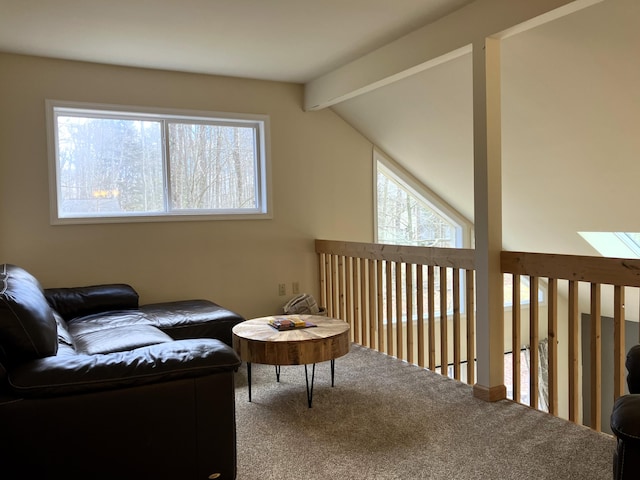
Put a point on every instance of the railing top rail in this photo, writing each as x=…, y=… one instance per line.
x=609, y=271
x=462, y=258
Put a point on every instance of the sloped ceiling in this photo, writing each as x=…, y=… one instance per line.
x=571, y=129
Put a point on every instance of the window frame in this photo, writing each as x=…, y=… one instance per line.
x=260, y=124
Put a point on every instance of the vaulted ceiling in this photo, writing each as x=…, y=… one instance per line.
x=571, y=128
x=571, y=91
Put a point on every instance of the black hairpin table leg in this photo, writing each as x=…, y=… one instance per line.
x=310, y=389
x=333, y=371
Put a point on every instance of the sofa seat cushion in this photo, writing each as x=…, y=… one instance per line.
x=74, y=374
x=119, y=339
x=179, y=319
x=118, y=318
x=27, y=325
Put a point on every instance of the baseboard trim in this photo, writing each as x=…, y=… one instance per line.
x=490, y=394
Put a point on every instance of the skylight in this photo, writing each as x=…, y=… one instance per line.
x=614, y=244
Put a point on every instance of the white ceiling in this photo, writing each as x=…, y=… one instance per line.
x=571, y=91
x=284, y=40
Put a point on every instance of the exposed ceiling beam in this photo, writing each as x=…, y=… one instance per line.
x=437, y=42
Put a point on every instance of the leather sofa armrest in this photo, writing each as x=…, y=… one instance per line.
x=71, y=374
x=625, y=418
x=625, y=424
x=81, y=301
x=633, y=369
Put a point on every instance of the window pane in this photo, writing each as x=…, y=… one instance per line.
x=108, y=167
x=632, y=240
x=212, y=167
x=635, y=237
x=404, y=219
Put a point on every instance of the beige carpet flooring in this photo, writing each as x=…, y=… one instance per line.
x=386, y=419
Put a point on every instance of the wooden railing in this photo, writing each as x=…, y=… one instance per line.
x=564, y=276
x=392, y=297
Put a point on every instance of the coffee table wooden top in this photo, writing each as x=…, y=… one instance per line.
x=257, y=342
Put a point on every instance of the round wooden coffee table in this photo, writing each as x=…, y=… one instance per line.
x=256, y=341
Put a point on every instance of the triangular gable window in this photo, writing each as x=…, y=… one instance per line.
x=409, y=214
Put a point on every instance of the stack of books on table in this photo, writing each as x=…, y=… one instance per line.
x=289, y=322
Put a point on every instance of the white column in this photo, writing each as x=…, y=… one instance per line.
x=488, y=219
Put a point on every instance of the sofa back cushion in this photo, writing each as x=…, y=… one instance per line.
x=27, y=325
x=76, y=302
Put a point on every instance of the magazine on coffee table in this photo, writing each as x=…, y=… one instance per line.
x=289, y=322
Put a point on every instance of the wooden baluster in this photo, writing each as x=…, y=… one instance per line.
x=471, y=328
x=596, y=359
x=534, y=329
x=356, y=300
x=516, y=341
x=350, y=294
x=373, y=311
x=399, y=328
x=409, y=309
x=444, y=337
x=574, y=379
x=323, y=279
x=364, y=296
x=380, y=305
x=420, y=307
x=335, y=285
x=389, y=281
x=344, y=287
x=552, y=302
x=328, y=276
x=431, y=296
x=619, y=350
x=456, y=323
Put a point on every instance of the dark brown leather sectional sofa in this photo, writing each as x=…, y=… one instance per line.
x=94, y=386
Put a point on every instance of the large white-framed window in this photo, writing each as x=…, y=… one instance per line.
x=111, y=163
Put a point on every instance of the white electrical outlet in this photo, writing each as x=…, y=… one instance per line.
x=295, y=288
x=282, y=289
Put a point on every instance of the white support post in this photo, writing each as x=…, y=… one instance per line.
x=488, y=219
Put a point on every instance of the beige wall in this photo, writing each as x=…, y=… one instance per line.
x=322, y=188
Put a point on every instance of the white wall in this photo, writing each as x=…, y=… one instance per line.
x=322, y=188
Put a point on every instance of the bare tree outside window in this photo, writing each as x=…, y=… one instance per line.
x=404, y=219
x=212, y=166
x=109, y=166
